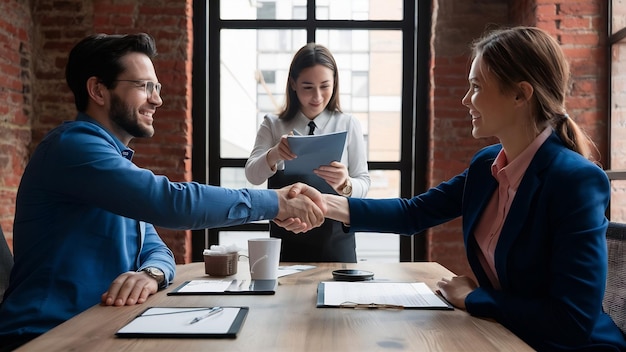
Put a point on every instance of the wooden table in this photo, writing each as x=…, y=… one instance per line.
x=289, y=320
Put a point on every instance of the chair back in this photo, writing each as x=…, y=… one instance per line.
x=614, y=302
x=6, y=264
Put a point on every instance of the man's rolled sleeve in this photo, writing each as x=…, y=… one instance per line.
x=264, y=204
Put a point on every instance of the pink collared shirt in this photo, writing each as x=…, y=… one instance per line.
x=509, y=176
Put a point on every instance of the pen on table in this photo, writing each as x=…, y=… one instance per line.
x=213, y=311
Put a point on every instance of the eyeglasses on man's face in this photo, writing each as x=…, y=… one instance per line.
x=149, y=86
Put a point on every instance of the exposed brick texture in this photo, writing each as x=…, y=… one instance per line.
x=36, y=35
x=15, y=104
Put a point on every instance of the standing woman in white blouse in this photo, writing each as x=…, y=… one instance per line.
x=312, y=107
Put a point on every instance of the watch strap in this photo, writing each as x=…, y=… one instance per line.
x=346, y=188
x=156, y=274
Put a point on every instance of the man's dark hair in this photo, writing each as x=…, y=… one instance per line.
x=99, y=56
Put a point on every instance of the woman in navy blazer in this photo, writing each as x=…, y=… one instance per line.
x=543, y=273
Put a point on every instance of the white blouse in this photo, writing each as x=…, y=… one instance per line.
x=354, y=153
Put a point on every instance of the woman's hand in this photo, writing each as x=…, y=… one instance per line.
x=292, y=224
x=280, y=151
x=455, y=290
x=334, y=174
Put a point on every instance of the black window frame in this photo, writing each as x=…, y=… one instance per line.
x=613, y=38
x=206, y=160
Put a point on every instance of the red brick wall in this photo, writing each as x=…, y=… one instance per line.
x=580, y=27
x=457, y=24
x=15, y=104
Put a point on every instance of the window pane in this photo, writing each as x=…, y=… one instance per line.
x=324, y=9
x=380, y=246
x=266, y=10
x=359, y=10
x=235, y=177
x=240, y=239
x=385, y=184
x=248, y=57
x=371, y=57
x=238, y=9
x=618, y=201
x=618, y=106
x=618, y=17
x=618, y=128
x=262, y=9
x=360, y=84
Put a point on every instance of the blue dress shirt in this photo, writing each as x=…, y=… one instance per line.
x=85, y=214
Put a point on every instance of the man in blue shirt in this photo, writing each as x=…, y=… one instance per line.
x=84, y=215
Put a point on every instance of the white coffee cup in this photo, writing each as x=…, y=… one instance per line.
x=264, y=256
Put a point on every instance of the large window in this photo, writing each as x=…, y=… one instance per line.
x=617, y=126
x=241, y=62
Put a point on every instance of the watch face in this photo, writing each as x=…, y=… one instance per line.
x=155, y=273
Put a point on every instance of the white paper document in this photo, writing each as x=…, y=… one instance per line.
x=206, y=286
x=405, y=294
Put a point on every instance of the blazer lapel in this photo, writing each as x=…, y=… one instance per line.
x=478, y=190
x=518, y=214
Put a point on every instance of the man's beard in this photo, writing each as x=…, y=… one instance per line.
x=124, y=116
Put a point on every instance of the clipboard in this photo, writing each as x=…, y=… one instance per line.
x=314, y=151
x=175, y=322
x=225, y=287
x=379, y=295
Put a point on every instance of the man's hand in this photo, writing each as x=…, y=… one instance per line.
x=335, y=207
x=300, y=207
x=130, y=288
x=292, y=224
x=456, y=289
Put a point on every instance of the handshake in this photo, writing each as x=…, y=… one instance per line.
x=302, y=207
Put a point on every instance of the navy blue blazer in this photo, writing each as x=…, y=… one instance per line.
x=551, y=257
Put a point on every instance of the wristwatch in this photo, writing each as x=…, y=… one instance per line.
x=156, y=274
x=346, y=188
